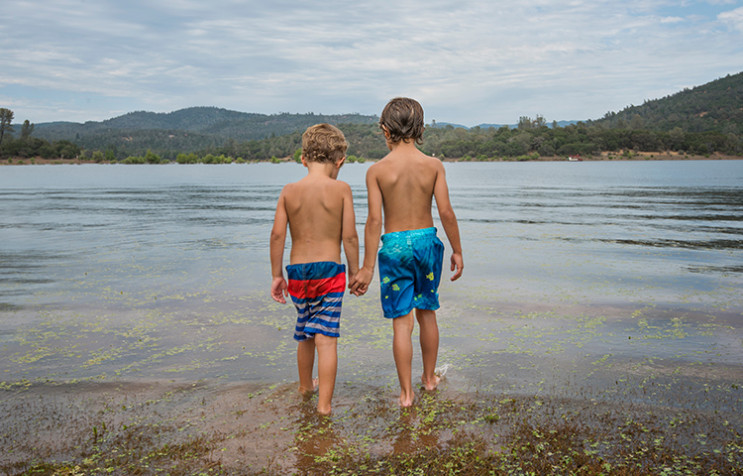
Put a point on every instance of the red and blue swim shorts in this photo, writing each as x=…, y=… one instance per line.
x=317, y=291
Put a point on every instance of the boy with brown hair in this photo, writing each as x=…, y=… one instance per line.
x=401, y=187
x=319, y=212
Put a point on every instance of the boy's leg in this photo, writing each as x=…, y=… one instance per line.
x=327, y=367
x=429, y=338
x=305, y=362
x=402, y=350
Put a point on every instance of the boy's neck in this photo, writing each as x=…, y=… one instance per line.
x=402, y=145
x=328, y=169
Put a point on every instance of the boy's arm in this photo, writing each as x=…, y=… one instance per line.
x=349, y=235
x=372, y=232
x=448, y=221
x=279, y=289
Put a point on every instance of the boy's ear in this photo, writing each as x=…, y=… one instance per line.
x=304, y=161
x=340, y=161
x=386, y=131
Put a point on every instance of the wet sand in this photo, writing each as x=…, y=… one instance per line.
x=552, y=388
x=207, y=427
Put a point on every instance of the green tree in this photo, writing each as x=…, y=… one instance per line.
x=6, y=122
x=151, y=157
x=525, y=123
x=26, y=130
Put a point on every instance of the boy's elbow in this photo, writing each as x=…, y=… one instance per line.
x=276, y=237
x=373, y=222
x=447, y=215
x=351, y=240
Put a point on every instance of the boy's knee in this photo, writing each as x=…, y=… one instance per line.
x=321, y=340
x=403, y=323
x=425, y=315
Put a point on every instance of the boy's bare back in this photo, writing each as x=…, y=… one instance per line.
x=407, y=181
x=313, y=206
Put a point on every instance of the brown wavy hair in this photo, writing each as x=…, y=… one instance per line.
x=403, y=118
x=323, y=143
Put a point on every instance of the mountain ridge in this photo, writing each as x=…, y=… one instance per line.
x=712, y=108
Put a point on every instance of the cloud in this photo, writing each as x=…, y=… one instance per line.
x=733, y=18
x=468, y=62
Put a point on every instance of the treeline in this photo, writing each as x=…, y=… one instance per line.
x=705, y=120
x=26, y=146
x=531, y=139
x=193, y=158
x=534, y=137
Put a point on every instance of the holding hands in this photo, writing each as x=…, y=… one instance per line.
x=359, y=282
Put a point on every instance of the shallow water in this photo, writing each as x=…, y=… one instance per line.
x=579, y=277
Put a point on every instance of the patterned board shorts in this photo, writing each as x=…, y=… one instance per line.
x=317, y=291
x=410, y=271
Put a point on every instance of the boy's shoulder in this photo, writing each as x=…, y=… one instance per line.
x=417, y=160
x=304, y=184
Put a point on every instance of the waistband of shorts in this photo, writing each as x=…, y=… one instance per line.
x=405, y=234
x=315, y=270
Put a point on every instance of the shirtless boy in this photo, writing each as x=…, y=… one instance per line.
x=319, y=212
x=401, y=187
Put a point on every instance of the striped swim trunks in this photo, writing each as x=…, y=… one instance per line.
x=317, y=292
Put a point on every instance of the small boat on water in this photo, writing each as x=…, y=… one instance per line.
x=575, y=158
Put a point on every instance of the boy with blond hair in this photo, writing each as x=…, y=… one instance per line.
x=401, y=188
x=319, y=212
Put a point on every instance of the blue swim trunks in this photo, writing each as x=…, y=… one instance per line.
x=410, y=271
x=317, y=291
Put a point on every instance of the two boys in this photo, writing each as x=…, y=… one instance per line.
x=401, y=188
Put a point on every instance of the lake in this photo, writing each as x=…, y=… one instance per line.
x=579, y=277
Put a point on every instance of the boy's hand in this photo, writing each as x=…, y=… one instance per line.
x=279, y=290
x=359, y=284
x=457, y=264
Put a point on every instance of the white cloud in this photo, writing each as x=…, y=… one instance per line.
x=468, y=62
x=733, y=18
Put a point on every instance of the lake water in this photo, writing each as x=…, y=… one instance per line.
x=577, y=276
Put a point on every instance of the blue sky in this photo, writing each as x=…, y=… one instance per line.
x=467, y=62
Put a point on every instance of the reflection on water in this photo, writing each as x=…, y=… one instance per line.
x=112, y=271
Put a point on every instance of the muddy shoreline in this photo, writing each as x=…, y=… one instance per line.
x=206, y=427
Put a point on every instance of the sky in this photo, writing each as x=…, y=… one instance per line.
x=467, y=62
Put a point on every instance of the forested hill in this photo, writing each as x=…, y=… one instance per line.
x=716, y=106
x=195, y=127
x=705, y=120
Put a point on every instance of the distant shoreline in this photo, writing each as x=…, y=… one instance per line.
x=604, y=156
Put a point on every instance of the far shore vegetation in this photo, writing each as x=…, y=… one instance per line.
x=530, y=140
x=703, y=122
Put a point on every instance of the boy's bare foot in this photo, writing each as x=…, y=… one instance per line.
x=406, y=401
x=308, y=392
x=324, y=411
x=431, y=385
